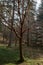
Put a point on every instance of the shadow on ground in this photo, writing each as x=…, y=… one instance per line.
x=8, y=56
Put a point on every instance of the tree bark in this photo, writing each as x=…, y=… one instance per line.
x=10, y=39
x=20, y=46
x=27, y=37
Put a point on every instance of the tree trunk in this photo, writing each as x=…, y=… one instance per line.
x=3, y=38
x=27, y=37
x=20, y=46
x=10, y=39
x=12, y=20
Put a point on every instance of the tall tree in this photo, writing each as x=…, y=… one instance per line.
x=19, y=18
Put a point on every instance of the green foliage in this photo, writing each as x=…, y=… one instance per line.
x=41, y=17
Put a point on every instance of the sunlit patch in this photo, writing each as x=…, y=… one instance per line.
x=10, y=64
x=38, y=4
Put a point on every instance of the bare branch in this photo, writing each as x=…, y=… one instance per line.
x=25, y=30
x=29, y=4
x=9, y=26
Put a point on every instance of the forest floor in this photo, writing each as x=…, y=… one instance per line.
x=9, y=56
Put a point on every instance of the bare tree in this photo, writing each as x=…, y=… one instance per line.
x=22, y=7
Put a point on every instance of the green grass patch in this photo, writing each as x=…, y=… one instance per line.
x=8, y=55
